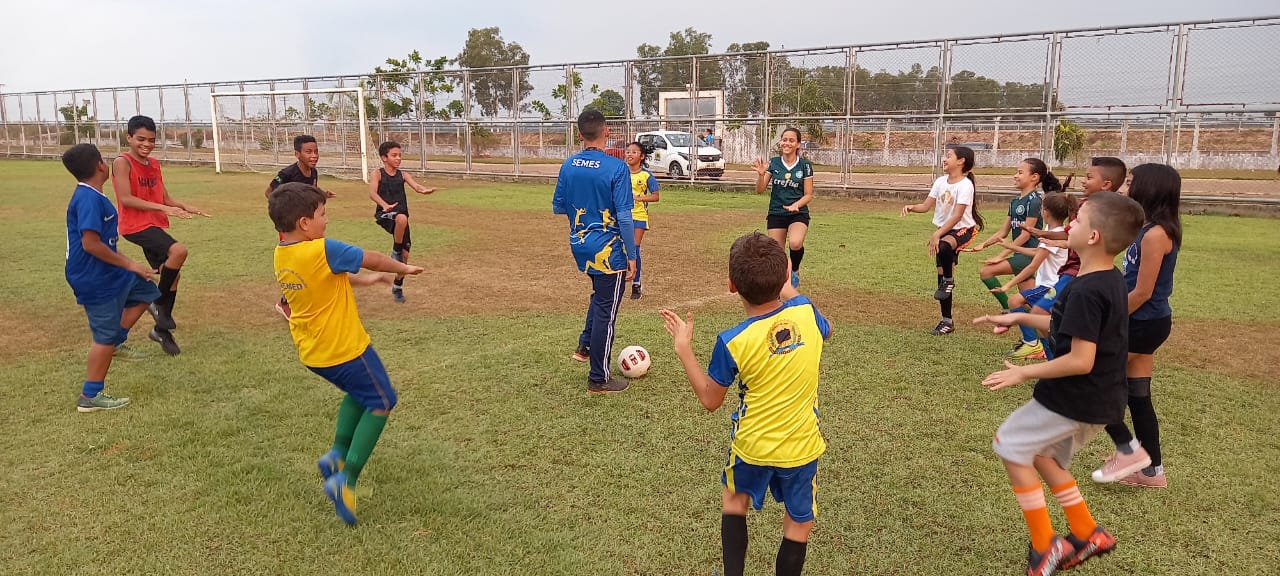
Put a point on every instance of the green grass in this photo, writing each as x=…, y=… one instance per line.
x=496, y=462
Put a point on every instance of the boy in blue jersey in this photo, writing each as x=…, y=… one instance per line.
x=773, y=356
x=594, y=191
x=113, y=289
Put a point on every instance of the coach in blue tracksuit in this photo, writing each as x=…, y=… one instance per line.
x=594, y=191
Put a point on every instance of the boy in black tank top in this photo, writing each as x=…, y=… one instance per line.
x=386, y=189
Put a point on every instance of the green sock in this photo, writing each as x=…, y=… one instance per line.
x=366, y=437
x=349, y=414
x=1001, y=297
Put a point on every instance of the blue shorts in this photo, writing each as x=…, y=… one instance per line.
x=641, y=224
x=104, y=318
x=796, y=488
x=1034, y=295
x=364, y=378
x=1046, y=302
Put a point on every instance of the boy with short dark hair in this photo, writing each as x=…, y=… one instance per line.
x=773, y=356
x=145, y=208
x=316, y=275
x=114, y=290
x=386, y=189
x=307, y=152
x=1079, y=392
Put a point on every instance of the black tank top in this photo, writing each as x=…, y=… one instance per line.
x=391, y=190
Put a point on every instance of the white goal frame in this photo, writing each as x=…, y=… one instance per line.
x=364, y=123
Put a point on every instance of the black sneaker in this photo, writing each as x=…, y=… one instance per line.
x=165, y=338
x=945, y=287
x=163, y=317
x=582, y=354
x=943, y=328
x=397, y=294
x=613, y=385
x=635, y=291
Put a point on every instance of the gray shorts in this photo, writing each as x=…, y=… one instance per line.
x=1034, y=430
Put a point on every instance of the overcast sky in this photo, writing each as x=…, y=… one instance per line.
x=103, y=43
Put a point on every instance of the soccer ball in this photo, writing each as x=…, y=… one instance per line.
x=633, y=361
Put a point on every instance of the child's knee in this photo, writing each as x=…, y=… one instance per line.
x=402, y=219
x=178, y=252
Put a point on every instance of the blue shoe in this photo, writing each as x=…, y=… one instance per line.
x=342, y=496
x=795, y=279
x=331, y=463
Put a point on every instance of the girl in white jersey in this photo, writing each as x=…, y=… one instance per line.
x=955, y=213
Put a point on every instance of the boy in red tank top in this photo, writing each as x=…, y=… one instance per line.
x=145, y=207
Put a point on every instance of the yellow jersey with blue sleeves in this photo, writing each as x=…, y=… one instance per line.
x=774, y=359
x=642, y=184
x=325, y=323
x=594, y=191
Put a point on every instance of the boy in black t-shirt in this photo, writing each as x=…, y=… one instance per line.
x=1080, y=391
x=307, y=151
x=386, y=189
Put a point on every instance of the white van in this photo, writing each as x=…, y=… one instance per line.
x=671, y=154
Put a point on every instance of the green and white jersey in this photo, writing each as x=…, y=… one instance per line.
x=788, y=184
x=1022, y=208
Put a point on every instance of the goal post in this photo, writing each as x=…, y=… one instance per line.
x=363, y=124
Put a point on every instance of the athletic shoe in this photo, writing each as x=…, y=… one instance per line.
x=1024, y=351
x=1141, y=480
x=342, y=496
x=1121, y=465
x=582, y=354
x=943, y=328
x=331, y=463
x=635, y=291
x=125, y=352
x=1060, y=551
x=283, y=308
x=1097, y=544
x=165, y=338
x=397, y=294
x=100, y=402
x=795, y=278
x=945, y=287
x=163, y=318
x=613, y=385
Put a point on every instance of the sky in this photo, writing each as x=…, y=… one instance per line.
x=107, y=43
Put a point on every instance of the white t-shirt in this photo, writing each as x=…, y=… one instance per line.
x=1047, y=273
x=948, y=196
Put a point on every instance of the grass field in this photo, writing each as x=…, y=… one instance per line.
x=497, y=462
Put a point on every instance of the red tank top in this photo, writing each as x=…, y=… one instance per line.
x=145, y=183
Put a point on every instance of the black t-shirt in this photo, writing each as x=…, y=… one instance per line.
x=1093, y=307
x=292, y=173
x=391, y=190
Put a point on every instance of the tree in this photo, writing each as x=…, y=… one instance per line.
x=744, y=73
x=1068, y=141
x=398, y=88
x=494, y=91
x=676, y=74
x=76, y=120
x=610, y=103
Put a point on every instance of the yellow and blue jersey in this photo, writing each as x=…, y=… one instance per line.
x=774, y=360
x=642, y=184
x=325, y=323
x=594, y=191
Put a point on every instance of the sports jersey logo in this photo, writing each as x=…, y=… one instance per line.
x=1021, y=209
x=784, y=337
x=290, y=281
x=147, y=182
x=947, y=198
x=799, y=174
x=789, y=175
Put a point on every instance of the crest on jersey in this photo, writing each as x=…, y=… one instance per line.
x=784, y=338
x=1021, y=210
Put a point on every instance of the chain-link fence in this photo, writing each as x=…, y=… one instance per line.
x=1195, y=95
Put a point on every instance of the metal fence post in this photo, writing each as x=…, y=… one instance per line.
x=466, y=119
x=186, y=115
x=1177, y=70
x=1051, y=96
x=846, y=134
x=943, y=94
x=516, y=97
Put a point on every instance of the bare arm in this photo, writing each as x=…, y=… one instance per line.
x=1032, y=252
x=1046, y=234
x=762, y=175
x=922, y=207
x=374, y=179
x=120, y=172
x=1037, y=321
x=92, y=244
x=1036, y=260
x=710, y=393
x=383, y=263
x=1078, y=361
x=1025, y=235
x=807, y=198
x=408, y=178
x=1155, y=245
x=995, y=238
x=369, y=279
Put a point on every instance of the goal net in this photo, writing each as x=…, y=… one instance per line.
x=255, y=129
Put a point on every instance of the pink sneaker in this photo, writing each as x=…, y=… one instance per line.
x=1120, y=465
x=999, y=329
x=1143, y=481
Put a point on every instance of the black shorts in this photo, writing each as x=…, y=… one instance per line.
x=155, y=243
x=963, y=236
x=1145, y=336
x=387, y=221
x=784, y=221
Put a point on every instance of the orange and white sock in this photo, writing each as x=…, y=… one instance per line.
x=1078, y=516
x=1036, y=512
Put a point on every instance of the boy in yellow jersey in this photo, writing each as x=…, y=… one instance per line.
x=773, y=357
x=316, y=275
